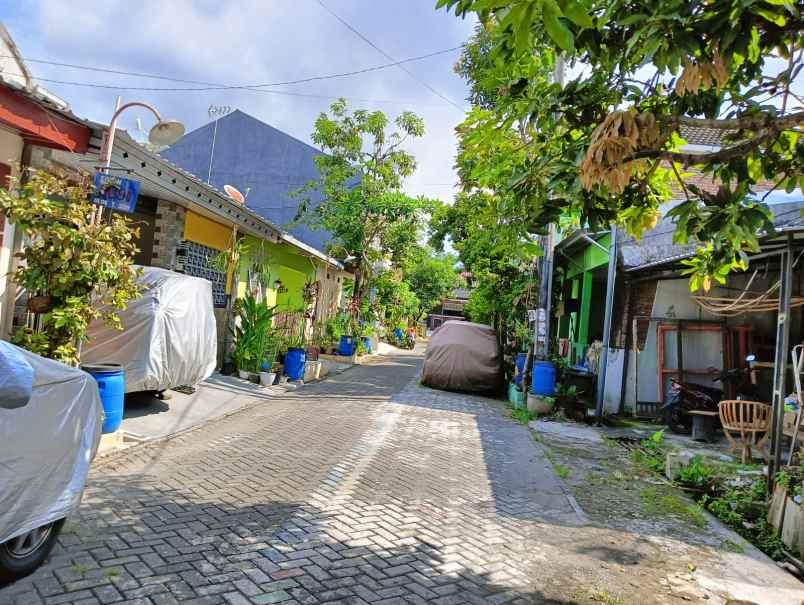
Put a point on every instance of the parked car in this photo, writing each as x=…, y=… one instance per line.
x=169, y=336
x=463, y=356
x=50, y=426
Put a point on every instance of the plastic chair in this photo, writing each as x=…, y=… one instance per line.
x=748, y=418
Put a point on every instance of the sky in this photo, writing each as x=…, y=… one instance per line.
x=255, y=41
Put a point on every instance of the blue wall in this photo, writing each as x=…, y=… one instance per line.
x=251, y=154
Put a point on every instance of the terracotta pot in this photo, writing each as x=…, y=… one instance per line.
x=40, y=304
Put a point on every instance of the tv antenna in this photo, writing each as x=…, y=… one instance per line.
x=215, y=112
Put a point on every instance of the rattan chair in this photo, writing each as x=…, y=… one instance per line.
x=749, y=419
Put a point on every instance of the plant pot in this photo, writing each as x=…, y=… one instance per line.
x=539, y=405
x=39, y=304
x=294, y=363
x=267, y=378
x=244, y=374
x=346, y=346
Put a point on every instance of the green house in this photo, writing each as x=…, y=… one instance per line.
x=581, y=261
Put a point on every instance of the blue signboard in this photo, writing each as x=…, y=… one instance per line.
x=115, y=192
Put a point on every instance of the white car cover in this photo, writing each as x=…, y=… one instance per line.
x=47, y=444
x=169, y=335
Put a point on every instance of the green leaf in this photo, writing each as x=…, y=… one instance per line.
x=576, y=13
x=771, y=16
x=557, y=31
x=753, y=46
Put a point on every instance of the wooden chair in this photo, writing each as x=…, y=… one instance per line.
x=748, y=418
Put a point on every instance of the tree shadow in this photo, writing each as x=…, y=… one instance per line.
x=136, y=538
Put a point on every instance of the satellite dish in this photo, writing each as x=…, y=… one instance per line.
x=166, y=132
x=233, y=193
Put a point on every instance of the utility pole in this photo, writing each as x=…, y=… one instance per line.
x=546, y=286
x=604, y=353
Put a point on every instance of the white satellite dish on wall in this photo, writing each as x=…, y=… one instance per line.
x=233, y=193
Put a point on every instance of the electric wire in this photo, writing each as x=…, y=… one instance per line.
x=389, y=57
x=209, y=86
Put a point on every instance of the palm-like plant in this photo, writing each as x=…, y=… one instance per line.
x=253, y=333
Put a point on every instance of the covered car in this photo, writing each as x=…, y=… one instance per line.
x=169, y=335
x=463, y=356
x=50, y=427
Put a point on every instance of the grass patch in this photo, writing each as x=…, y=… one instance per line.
x=604, y=596
x=562, y=471
x=658, y=503
x=522, y=416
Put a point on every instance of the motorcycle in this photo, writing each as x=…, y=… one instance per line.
x=686, y=397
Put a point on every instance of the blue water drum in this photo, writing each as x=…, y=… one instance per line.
x=112, y=388
x=294, y=363
x=520, y=367
x=367, y=343
x=544, y=379
x=398, y=333
x=346, y=346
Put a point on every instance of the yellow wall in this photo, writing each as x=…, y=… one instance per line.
x=204, y=231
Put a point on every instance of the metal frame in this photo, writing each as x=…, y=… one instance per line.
x=681, y=326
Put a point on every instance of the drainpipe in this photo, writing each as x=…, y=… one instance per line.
x=604, y=355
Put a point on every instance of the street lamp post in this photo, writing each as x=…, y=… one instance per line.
x=164, y=132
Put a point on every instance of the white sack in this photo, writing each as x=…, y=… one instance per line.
x=169, y=335
x=46, y=446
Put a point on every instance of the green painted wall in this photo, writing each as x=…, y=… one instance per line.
x=578, y=276
x=288, y=265
x=590, y=257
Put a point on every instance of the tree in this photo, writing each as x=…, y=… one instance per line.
x=431, y=277
x=362, y=171
x=74, y=269
x=605, y=147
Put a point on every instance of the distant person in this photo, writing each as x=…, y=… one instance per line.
x=411, y=336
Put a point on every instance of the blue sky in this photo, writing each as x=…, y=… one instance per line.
x=250, y=41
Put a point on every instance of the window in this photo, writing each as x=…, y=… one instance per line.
x=195, y=259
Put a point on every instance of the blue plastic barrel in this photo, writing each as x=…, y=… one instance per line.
x=544, y=379
x=294, y=363
x=346, y=346
x=367, y=343
x=112, y=388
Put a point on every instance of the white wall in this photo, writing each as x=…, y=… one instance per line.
x=11, y=154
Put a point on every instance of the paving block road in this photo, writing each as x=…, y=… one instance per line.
x=365, y=488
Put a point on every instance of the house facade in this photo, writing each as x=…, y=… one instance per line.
x=238, y=149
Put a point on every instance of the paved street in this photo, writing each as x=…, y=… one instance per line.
x=366, y=488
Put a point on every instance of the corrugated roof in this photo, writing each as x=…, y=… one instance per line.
x=710, y=137
x=656, y=247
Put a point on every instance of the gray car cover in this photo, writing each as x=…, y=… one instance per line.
x=47, y=444
x=463, y=356
x=169, y=335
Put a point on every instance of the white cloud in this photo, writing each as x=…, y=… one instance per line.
x=247, y=42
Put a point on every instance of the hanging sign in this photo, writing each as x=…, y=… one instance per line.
x=116, y=192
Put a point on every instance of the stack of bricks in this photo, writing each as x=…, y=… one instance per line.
x=168, y=232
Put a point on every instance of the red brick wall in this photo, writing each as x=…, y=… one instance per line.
x=640, y=304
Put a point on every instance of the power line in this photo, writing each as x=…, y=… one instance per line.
x=215, y=86
x=387, y=56
x=261, y=90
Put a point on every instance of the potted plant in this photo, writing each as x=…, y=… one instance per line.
x=253, y=335
x=296, y=355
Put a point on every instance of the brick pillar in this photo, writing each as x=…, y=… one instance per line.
x=168, y=232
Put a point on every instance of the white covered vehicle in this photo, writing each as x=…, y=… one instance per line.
x=50, y=427
x=169, y=335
